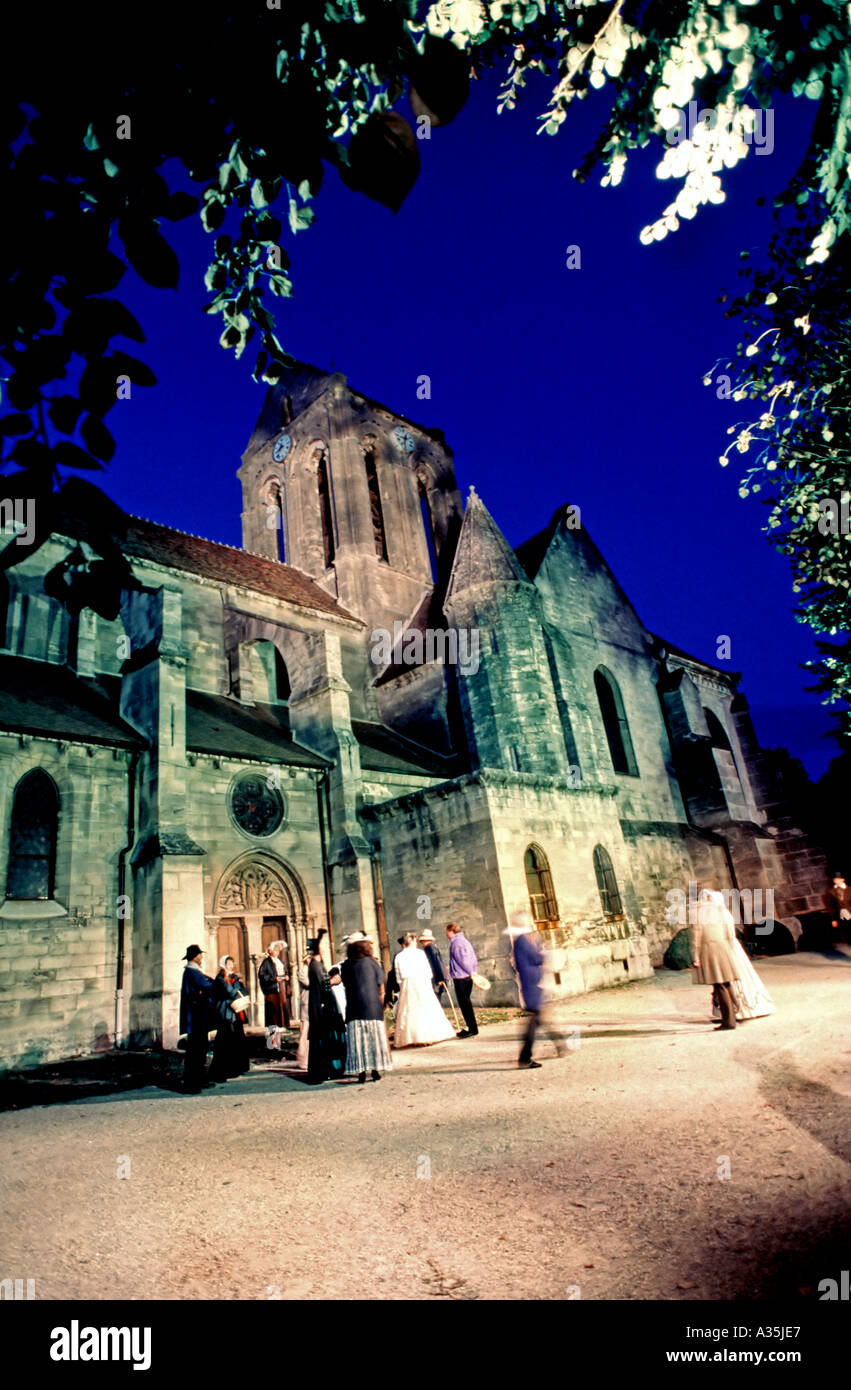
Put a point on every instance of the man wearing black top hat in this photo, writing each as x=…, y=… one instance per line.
x=196, y=995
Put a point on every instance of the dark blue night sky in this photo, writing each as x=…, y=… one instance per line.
x=551, y=385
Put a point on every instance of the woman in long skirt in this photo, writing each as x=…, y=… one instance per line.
x=230, y=1049
x=366, y=1036
x=420, y=1019
x=750, y=996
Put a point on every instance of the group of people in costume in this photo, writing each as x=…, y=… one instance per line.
x=342, y=1023
x=207, y=1004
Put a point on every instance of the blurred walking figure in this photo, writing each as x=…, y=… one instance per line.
x=435, y=960
x=840, y=907
x=529, y=963
x=713, y=953
x=195, y=1019
x=274, y=982
x=230, y=1050
x=463, y=965
x=420, y=1019
x=366, y=1034
x=304, y=1020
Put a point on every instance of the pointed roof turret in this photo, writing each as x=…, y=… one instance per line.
x=482, y=555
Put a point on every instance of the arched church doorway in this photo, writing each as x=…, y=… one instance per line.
x=260, y=899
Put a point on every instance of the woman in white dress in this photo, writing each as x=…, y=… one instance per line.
x=419, y=1016
x=751, y=998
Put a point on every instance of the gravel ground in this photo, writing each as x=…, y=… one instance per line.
x=460, y=1177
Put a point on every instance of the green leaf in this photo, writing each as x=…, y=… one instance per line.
x=16, y=424
x=71, y=456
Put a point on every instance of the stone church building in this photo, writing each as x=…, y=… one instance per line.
x=243, y=757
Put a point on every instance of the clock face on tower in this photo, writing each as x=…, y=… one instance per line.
x=282, y=448
x=257, y=808
x=405, y=438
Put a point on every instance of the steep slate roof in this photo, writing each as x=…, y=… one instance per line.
x=221, y=726
x=37, y=697
x=304, y=384
x=532, y=553
x=148, y=540
x=482, y=554
x=383, y=750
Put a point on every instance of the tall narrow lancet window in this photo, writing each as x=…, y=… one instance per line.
x=539, y=881
x=428, y=528
x=325, y=516
x=275, y=518
x=615, y=723
x=375, y=507
x=607, y=884
x=32, y=837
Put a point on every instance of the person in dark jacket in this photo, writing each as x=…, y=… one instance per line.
x=435, y=960
x=230, y=1050
x=195, y=1019
x=366, y=1035
x=529, y=963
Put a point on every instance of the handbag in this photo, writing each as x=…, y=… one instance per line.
x=480, y=982
x=240, y=1003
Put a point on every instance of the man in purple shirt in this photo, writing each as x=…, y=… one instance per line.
x=462, y=964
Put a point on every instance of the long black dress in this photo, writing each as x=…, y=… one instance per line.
x=195, y=1020
x=230, y=1050
x=326, y=1030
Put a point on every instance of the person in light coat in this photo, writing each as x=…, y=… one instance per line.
x=713, y=954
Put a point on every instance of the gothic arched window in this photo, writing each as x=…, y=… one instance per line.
x=32, y=837
x=607, y=884
x=539, y=881
x=323, y=488
x=275, y=517
x=717, y=732
x=375, y=508
x=615, y=722
x=425, y=513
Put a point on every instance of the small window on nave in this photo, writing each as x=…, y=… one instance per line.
x=607, y=884
x=32, y=838
x=539, y=882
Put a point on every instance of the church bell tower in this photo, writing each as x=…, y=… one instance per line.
x=360, y=499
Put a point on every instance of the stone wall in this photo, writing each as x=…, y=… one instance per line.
x=58, y=959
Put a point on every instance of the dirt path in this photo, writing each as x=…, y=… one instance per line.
x=459, y=1176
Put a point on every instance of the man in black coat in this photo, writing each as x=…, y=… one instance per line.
x=196, y=995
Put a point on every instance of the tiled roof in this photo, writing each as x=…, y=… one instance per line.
x=37, y=697
x=221, y=726
x=148, y=540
